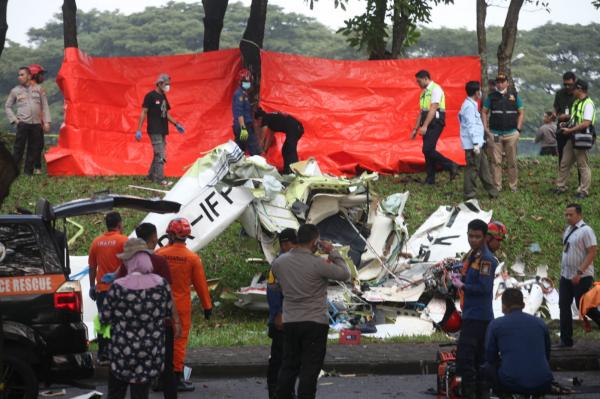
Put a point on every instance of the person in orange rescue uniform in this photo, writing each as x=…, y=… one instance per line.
x=186, y=270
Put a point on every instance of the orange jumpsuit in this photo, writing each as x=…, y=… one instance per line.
x=186, y=269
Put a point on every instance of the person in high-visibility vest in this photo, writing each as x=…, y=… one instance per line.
x=580, y=130
x=430, y=124
x=186, y=270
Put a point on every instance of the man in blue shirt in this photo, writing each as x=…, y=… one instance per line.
x=517, y=350
x=243, y=120
x=477, y=288
x=287, y=241
x=473, y=142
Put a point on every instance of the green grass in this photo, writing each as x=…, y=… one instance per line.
x=533, y=214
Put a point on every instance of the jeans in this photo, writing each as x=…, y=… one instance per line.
x=566, y=292
x=117, y=389
x=251, y=144
x=305, y=344
x=31, y=137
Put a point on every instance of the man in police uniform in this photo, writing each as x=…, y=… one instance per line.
x=430, y=124
x=580, y=124
x=477, y=287
x=243, y=121
x=502, y=119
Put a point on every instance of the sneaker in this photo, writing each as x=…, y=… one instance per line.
x=581, y=195
x=562, y=345
x=185, y=386
x=37, y=171
x=558, y=190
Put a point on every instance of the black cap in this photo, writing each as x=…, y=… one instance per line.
x=288, y=235
x=582, y=85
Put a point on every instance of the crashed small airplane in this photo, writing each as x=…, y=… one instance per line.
x=400, y=282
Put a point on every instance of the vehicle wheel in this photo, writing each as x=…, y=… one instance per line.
x=18, y=379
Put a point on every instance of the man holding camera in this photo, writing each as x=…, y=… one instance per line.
x=304, y=277
x=580, y=134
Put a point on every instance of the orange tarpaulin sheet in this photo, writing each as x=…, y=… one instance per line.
x=355, y=113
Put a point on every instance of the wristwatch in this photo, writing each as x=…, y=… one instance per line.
x=519, y=130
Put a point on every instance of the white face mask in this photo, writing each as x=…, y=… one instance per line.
x=166, y=88
x=246, y=85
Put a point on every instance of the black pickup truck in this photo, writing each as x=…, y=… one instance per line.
x=44, y=339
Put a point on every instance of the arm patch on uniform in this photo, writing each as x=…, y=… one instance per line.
x=485, y=268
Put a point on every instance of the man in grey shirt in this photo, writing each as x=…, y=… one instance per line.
x=32, y=116
x=577, y=270
x=304, y=277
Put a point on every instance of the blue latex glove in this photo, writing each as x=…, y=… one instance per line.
x=108, y=278
x=92, y=293
x=179, y=128
x=138, y=135
x=457, y=282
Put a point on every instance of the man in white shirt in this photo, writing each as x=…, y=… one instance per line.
x=430, y=124
x=580, y=130
x=473, y=141
x=577, y=270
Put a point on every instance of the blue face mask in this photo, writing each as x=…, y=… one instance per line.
x=246, y=85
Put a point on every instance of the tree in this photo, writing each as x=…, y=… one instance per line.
x=252, y=42
x=370, y=31
x=69, y=10
x=482, y=44
x=3, y=24
x=509, y=38
x=214, y=14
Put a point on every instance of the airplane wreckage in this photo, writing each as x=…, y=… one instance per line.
x=400, y=282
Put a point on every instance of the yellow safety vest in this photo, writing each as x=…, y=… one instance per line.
x=425, y=99
x=577, y=110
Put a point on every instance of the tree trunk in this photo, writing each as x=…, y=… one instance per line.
x=3, y=24
x=69, y=10
x=509, y=39
x=214, y=13
x=252, y=42
x=377, y=51
x=399, y=30
x=482, y=44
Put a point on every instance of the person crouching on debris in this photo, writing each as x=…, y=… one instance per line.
x=304, y=278
x=477, y=287
x=287, y=241
x=156, y=107
x=186, y=270
x=517, y=350
x=136, y=307
x=243, y=121
x=280, y=122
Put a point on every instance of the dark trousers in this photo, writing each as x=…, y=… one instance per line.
x=433, y=158
x=502, y=389
x=102, y=342
x=552, y=151
x=477, y=166
x=470, y=354
x=566, y=292
x=251, y=144
x=304, y=347
x=275, y=359
x=289, y=149
x=169, y=382
x=29, y=140
x=117, y=389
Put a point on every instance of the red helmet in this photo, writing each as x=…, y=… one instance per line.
x=180, y=228
x=452, y=323
x=245, y=75
x=37, y=72
x=497, y=230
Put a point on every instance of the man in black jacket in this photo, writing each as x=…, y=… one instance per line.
x=281, y=122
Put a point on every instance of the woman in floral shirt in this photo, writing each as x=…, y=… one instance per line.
x=136, y=307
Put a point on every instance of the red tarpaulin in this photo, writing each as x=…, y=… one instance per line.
x=355, y=113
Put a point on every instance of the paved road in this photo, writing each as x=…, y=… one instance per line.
x=371, y=386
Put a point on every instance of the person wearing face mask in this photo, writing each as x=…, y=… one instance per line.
x=156, y=107
x=243, y=121
x=473, y=142
x=303, y=278
x=503, y=118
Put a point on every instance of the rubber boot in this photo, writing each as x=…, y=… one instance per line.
x=183, y=385
x=469, y=390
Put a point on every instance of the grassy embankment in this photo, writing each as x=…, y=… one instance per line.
x=533, y=214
